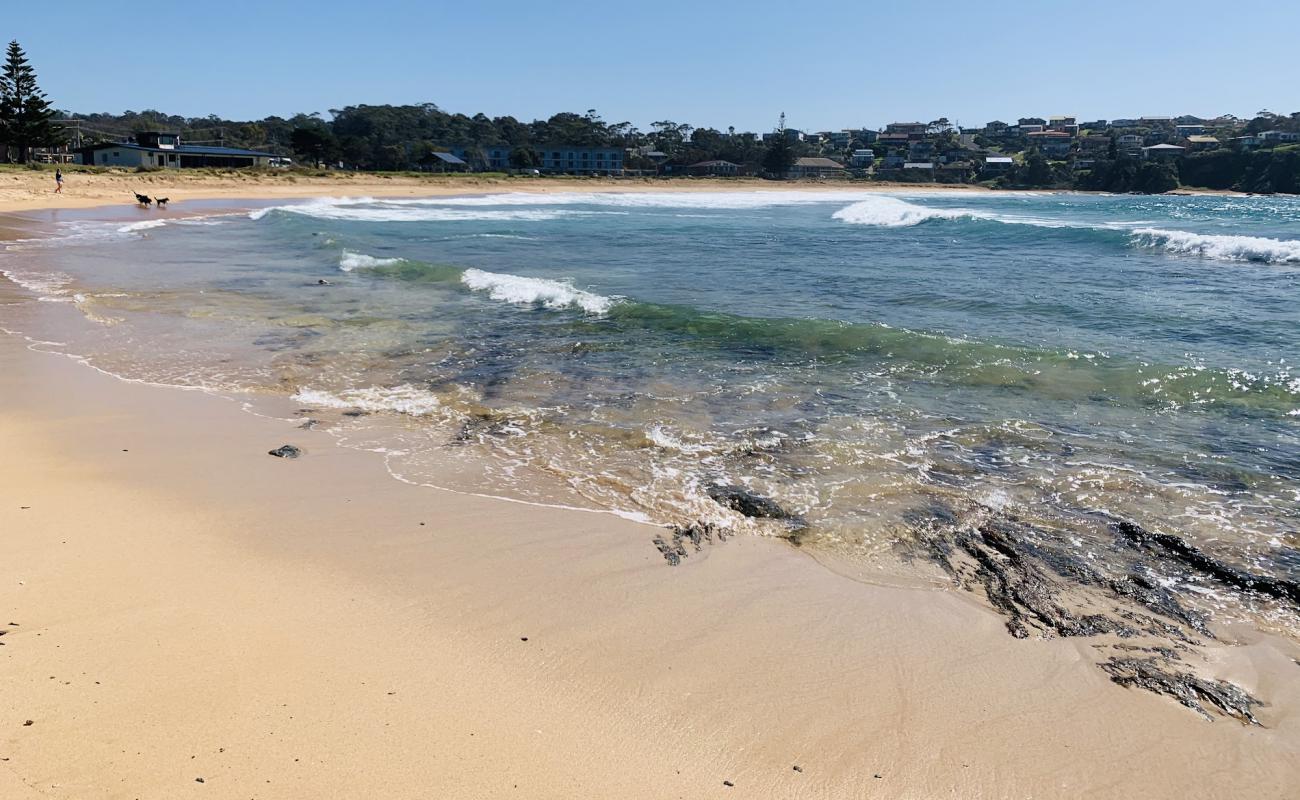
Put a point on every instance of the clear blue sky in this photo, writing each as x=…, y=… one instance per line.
x=828, y=65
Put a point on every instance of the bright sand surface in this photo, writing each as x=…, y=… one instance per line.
x=188, y=607
x=32, y=189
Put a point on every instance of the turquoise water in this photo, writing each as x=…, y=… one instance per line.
x=859, y=358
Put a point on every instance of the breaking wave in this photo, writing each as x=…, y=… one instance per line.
x=890, y=212
x=136, y=227
x=684, y=199
x=45, y=285
x=1220, y=247
x=349, y=261
x=524, y=291
x=371, y=210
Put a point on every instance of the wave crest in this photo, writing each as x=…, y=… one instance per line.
x=367, y=209
x=349, y=261
x=1221, y=247
x=523, y=291
x=890, y=212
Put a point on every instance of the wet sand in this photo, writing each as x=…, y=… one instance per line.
x=189, y=607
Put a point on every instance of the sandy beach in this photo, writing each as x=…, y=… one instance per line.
x=31, y=189
x=184, y=615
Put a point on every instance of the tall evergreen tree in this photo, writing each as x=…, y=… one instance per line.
x=25, y=114
x=780, y=155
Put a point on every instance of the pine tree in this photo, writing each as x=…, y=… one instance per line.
x=25, y=114
x=780, y=156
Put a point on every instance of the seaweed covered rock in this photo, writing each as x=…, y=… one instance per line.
x=747, y=502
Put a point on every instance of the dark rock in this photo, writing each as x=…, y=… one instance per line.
x=728, y=783
x=1173, y=547
x=1018, y=588
x=285, y=451
x=198, y=780
x=1140, y=588
x=798, y=768
x=323, y=282
x=355, y=412
x=746, y=502
x=1186, y=688
x=523, y=638
x=673, y=553
x=28, y=723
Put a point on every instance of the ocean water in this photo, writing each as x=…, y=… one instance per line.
x=868, y=361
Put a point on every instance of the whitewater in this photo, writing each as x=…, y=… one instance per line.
x=862, y=359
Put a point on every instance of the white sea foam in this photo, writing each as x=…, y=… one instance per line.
x=349, y=261
x=365, y=209
x=46, y=285
x=691, y=200
x=144, y=225
x=889, y=212
x=1221, y=247
x=535, y=291
x=404, y=399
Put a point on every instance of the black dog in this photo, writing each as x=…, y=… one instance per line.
x=161, y=201
x=143, y=199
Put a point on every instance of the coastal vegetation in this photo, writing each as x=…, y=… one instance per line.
x=387, y=138
x=25, y=114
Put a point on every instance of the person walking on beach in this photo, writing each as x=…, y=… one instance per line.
x=58, y=181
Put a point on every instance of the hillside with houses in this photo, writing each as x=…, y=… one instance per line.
x=1146, y=154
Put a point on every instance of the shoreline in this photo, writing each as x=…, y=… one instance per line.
x=31, y=191
x=208, y=611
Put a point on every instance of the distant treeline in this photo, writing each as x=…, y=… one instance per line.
x=387, y=137
x=403, y=137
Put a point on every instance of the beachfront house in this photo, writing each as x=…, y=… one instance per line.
x=569, y=160
x=445, y=162
x=484, y=158
x=716, y=168
x=813, y=167
x=1278, y=137
x=165, y=150
x=862, y=158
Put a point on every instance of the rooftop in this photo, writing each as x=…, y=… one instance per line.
x=190, y=149
x=824, y=163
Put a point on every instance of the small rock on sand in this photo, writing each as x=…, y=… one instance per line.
x=285, y=451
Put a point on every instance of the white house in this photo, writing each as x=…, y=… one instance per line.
x=165, y=150
x=1163, y=151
